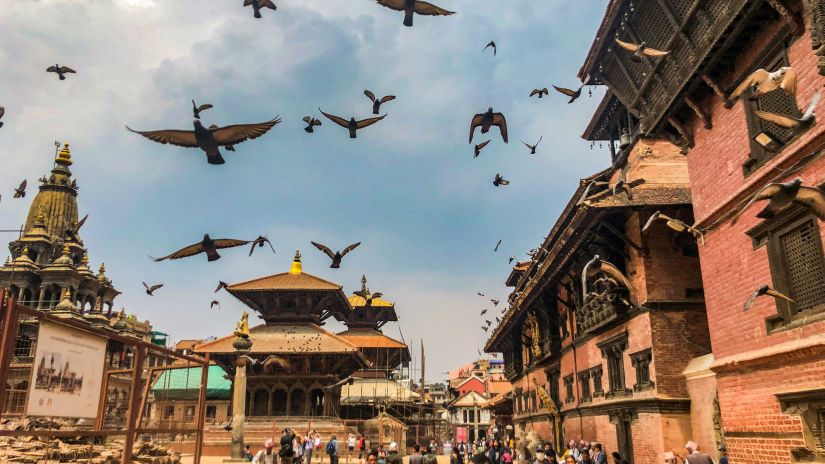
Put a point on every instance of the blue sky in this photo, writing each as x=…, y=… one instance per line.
x=408, y=187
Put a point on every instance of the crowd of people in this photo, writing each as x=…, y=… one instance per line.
x=504, y=451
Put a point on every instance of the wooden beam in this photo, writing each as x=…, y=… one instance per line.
x=621, y=236
x=7, y=341
x=702, y=114
x=793, y=20
x=671, y=17
x=134, y=414
x=201, y=412
x=717, y=90
x=682, y=130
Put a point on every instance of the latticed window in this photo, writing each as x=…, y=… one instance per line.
x=773, y=137
x=568, y=385
x=584, y=381
x=553, y=378
x=641, y=362
x=613, y=351
x=596, y=373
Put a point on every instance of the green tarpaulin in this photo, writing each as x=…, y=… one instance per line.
x=184, y=384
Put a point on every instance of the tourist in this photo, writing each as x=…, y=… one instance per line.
x=351, y=443
x=286, y=452
x=392, y=456
x=433, y=447
x=506, y=456
x=362, y=446
x=598, y=454
x=416, y=458
x=333, y=450
x=550, y=452
x=247, y=453
x=456, y=457
x=372, y=458
x=585, y=456
x=494, y=452
x=309, y=445
x=695, y=456
x=266, y=455
x=569, y=459
x=297, y=449
x=618, y=459
x=382, y=454
x=430, y=457
x=541, y=458
x=317, y=443
x=572, y=450
x=723, y=454
x=462, y=449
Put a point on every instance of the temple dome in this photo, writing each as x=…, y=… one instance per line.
x=54, y=208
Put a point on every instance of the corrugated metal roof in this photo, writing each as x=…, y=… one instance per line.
x=184, y=384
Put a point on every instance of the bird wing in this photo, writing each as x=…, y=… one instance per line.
x=813, y=198
x=534, y=92
x=336, y=119
x=428, y=9
x=324, y=248
x=475, y=122
x=482, y=144
x=268, y=3
x=23, y=184
x=614, y=272
x=231, y=135
x=368, y=122
x=397, y=5
x=778, y=119
x=788, y=83
x=350, y=248
x=676, y=224
x=527, y=144
x=154, y=287
x=565, y=91
x=751, y=299
x=627, y=46
x=651, y=220
x=307, y=119
x=498, y=120
x=51, y=69
x=361, y=293
x=654, y=52
x=756, y=77
x=191, y=250
x=777, y=294
x=2, y=111
x=80, y=223
x=370, y=95
x=229, y=242
x=540, y=139
x=66, y=69
x=180, y=138
x=809, y=111
x=220, y=286
x=145, y=286
x=387, y=98
x=205, y=106
x=766, y=193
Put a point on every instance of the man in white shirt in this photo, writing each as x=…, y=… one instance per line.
x=266, y=455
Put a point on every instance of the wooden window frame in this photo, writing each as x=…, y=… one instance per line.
x=768, y=233
x=584, y=383
x=641, y=361
x=613, y=351
x=553, y=379
x=596, y=373
x=568, y=385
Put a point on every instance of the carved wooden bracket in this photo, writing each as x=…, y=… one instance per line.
x=702, y=114
x=687, y=137
x=793, y=20
x=717, y=90
x=816, y=11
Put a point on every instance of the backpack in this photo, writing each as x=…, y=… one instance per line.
x=331, y=447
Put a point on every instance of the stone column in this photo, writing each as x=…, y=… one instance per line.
x=41, y=297
x=242, y=346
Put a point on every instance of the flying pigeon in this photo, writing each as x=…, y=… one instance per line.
x=311, y=122
x=61, y=70
x=784, y=195
x=2, y=112
x=352, y=124
x=491, y=44
x=675, y=224
x=532, y=147
x=151, y=290
x=410, y=7
x=641, y=50
x=20, y=192
x=765, y=290
x=540, y=92
x=221, y=284
x=259, y=242
x=214, y=303
x=258, y=4
x=761, y=82
x=207, y=245
x=596, y=265
x=497, y=245
x=209, y=140
x=376, y=103
x=196, y=110
x=486, y=120
x=498, y=181
x=71, y=232
x=790, y=122
x=479, y=147
x=337, y=256
x=573, y=94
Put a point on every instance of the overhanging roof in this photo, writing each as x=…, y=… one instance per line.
x=304, y=338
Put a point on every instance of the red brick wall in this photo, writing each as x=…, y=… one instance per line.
x=678, y=337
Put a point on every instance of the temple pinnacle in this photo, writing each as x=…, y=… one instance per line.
x=296, y=264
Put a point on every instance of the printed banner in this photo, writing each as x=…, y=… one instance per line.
x=67, y=373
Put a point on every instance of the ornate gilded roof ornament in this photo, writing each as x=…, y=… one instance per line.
x=296, y=268
x=66, y=303
x=101, y=274
x=364, y=283
x=242, y=326
x=84, y=265
x=23, y=259
x=535, y=335
x=64, y=156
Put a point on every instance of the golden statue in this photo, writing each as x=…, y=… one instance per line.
x=534, y=334
x=242, y=327
x=545, y=399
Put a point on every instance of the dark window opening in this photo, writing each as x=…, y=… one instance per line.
x=584, y=381
x=568, y=385
x=613, y=351
x=641, y=362
x=596, y=373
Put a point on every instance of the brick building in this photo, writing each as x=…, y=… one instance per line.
x=768, y=362
x=609, y=348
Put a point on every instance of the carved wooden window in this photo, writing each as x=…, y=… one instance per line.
x=553, y=378
x=568, y=385
x=584, y=382
x=613, y=351
x=641, y=362
x=809, y=406
x=797, y=266
x=596, y=373
x=777, y=101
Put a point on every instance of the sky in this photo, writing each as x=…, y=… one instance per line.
x=408, y=188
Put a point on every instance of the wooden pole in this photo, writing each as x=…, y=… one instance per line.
x=134, y=414
x=201, y=413
x=9, y=335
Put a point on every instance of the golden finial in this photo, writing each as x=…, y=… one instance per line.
x=64, y=157
x=85, y=259
x=296, y=264
x=102, y=268
x=363, y=283
x=66, y=250
x=242, y=327
x=66, y=303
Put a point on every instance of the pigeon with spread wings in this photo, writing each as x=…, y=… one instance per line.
x=573, y=94
x=765, y=290
x=784, y=195
x=74, y=229
x=540, y=92
x=761, y=82
x=20, y=192
x=675, y=224
x=221, y=285
x=61, y=71
x=209, y=140
x=641, y=50
x=208, y=245
x=338, y=255
x=352, y=124
x=367, y=296
x=479, y=147
x=257, y=5
x=196, y=109
x=790, y=122
x=498, y=181
x=376, y=103
x=150, y=290
x=532, y=147
x=311, y=122
x=596, y=265
x=259, y=242
x=487, y=120
x=492, y=43
x=410, y=7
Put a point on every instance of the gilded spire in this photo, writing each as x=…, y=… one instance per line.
x=296, y=268
x=64, y=157
x=66, y=304
x=363, y=283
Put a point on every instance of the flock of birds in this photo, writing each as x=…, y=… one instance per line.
x=210, y=140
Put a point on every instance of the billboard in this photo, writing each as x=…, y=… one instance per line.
x=67, y=372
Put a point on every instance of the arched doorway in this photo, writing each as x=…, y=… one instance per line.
x=279, y=402
x=260, y=403
x=316, y=402
x=297, y=403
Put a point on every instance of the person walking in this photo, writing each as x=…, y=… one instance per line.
x=598, y=454
x=695, y=456
x=297, y=449
x=266, y=455
x=333, y=450
x=430, y=458
x=456, y=457
x=392, y=455
x=494, y=453
x=309, y=445
x=416, y=458
x=362, y=446
x=286, y=452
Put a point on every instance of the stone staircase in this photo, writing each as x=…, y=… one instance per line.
x=216, y=440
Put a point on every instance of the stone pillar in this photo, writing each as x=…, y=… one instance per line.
x=41, y=297
x=242, y=346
